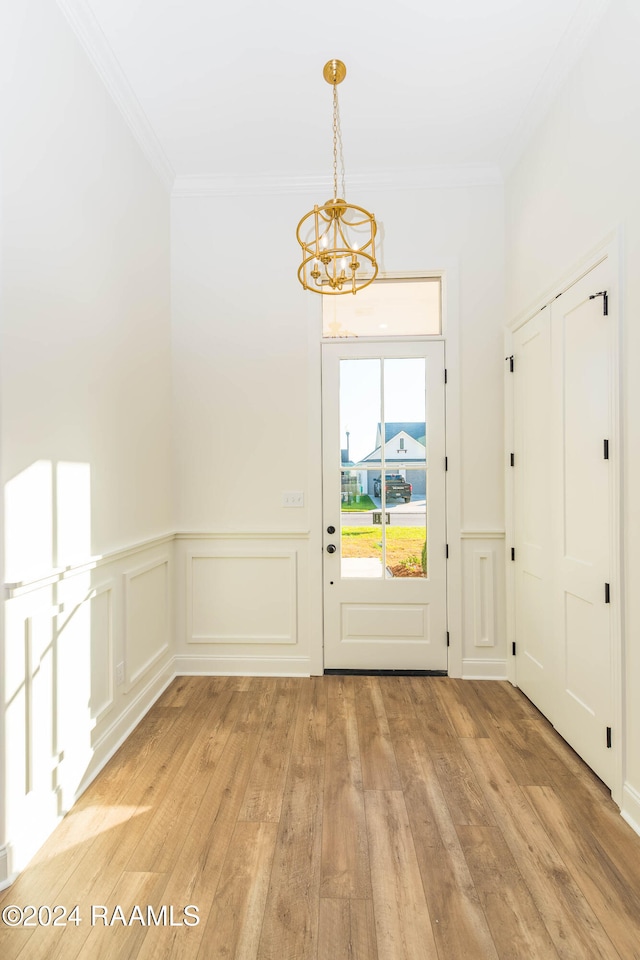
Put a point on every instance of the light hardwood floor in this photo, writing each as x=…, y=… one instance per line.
x=340, y=818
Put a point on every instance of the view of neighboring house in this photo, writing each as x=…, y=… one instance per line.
x=404, y=444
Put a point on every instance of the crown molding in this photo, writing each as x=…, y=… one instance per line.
x=569, y=50
x=95, y=44
x=425, y=178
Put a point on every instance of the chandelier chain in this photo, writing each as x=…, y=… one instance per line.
x=336, y=127
x=337, y=146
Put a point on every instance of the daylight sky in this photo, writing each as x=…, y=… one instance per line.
x=360, y=391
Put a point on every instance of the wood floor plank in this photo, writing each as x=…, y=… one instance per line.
x=379, y=768
x=519, y=750
x=345, y=851
x=196, y=872
x=259, y=696
x=616, y=905
x=340, y=687
x=517, y=928
x=459, y=924
x=403, y=927
x=263, y=798
x=573, y=926
x=290, y=926
x=396, y=697
x=347, y=930
x=463, y=713
x=602, y=819
x=464, y=798
x=174, y=812
x=188, y=693
x=437, y=730
x=462, y=792
x=111, y=938
x=235, y=920
x=311, y=721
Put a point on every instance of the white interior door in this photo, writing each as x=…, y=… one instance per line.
x=582, y=352
x=384, y=506
x=565, y=516
x=536, y=663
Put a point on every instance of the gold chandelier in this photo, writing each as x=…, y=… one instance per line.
x=337, y=238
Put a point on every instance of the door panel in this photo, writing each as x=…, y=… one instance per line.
x=582, y=359
x=383, y=449
x=564, y=509
x=535, y=664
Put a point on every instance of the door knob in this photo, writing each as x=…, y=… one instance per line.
x=331, y=548
x=331, y=529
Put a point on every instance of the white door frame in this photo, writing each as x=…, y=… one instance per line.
x=609, y=249
x=312, y=315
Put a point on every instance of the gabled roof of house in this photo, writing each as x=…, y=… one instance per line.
x=415, y=429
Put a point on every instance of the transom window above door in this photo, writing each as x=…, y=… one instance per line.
x=386, y=308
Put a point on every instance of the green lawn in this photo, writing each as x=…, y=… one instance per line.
x=363, y=503
x=404, y=544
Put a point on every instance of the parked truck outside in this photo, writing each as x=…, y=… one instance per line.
x=396, y=487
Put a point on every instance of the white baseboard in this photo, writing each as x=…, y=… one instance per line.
x=187, y=665
x=6, y=877
x=630, y=811
x=484, y=669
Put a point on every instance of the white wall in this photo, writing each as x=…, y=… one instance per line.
x=245, y=354
x=576, y=183
x=86, y=412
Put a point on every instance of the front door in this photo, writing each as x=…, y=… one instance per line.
x=384, y=506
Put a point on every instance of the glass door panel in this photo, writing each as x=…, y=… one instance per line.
x=362, y=547
x=383, y=468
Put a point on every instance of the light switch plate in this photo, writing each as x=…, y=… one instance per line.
x=293, y=498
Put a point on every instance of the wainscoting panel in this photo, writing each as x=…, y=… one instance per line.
x=242, y=597
x=484, y=607
x=102, y=653
x=484, y=636
x=147, y=617
x=242, y=604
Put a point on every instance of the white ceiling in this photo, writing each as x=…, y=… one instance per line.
x=236, y=90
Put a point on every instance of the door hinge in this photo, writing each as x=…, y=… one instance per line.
x=605, y=301
x=513, y=553
x=510, y=359
x=607, y=593
x=609, y=738
x=512, y=459
x=513, y=649
x=448, y=641
x=445, y=374
x=446, y=551
x=606, y=449
x=446, y=463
